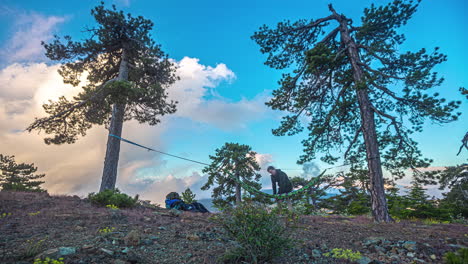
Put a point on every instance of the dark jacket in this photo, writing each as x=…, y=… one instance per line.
x=284, y=184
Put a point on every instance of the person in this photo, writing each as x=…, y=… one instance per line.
x=284, y=184
x=173, y=201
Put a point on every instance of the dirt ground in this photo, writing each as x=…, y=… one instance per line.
x=38, y=225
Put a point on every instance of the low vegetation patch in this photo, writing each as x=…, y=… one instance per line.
x=260, y=234
x=113, y=198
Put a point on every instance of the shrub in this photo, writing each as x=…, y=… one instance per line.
x=340, y=253
x=188, y=196
x=48, y=261
x=114, y=197
x=459, y=257
x=260, y=234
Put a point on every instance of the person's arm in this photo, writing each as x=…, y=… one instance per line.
x=273, y=184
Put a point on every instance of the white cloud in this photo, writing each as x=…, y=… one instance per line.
x=77, y=168
x=28, y=32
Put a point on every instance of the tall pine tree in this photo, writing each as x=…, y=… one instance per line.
x=356, y=89
x=127, y=78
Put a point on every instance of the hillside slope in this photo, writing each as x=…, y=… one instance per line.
x=69, y=227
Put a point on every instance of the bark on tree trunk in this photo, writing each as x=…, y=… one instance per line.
x=377, y=191
x=238, y=193
x=111, y=161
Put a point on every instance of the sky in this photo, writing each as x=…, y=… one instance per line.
x=224, y=85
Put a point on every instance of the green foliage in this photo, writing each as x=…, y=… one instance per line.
x=113, y=197
x=33, y=247
x=188, y=196
x=260, y=234
x=106, y=230
x=340, y=253
x=48, y=261
x=19, y=177
x=113, y=207
x=4, y=215
x=231, y=159
x=459, y=257
x=333, y=58
x=34, y=213
x=125, y=67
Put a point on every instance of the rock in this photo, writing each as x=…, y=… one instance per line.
x=379, y=249
x=146, y=219
x=147, y=230
x=174, y=212
x=162, y=228
x=79, y=228
x=132, y=238
x=410, y=255
x=451, y=240
x=316, y=253
x=63, y=251
x=373, y=241
x=119, y=261
x=410, y=245
x=147, y=242
x=433, y=257
x=87, y=247
x=107, y=251
x=455, y=246
x=125, y=250
x=364, y=260
x=193, y=237
x=50, y=253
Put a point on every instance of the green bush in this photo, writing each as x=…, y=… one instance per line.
x=114, y=197
x=459, y=257
x=260, y=234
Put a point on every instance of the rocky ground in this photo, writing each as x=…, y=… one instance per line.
x=38, y=225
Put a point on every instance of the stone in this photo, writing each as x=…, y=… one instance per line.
x=132, y=238
x=125, y=250
x=316, y=253
x=119, y=261
x=50, y=253
x=87, y=247
x=193, y=237
x=107, y=251
x=79, y=228
x=364, y=260
x=410, y=245
x=174, y=212
x=410, y=255
x=433, y=257
x=63, y=251
x=147, y=242
x=379, y=249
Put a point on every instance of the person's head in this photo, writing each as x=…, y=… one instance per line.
x=271, y=170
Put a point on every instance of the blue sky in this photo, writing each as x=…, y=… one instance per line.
x=218, y=32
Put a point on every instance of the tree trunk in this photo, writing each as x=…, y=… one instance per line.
x=238, y=194
x=379, y=202
x=111, y=161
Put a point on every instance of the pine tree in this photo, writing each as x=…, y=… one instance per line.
x=355, y=88
x=188, y=196
x=18, y=177
x=236, y=160
x=127, y=77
